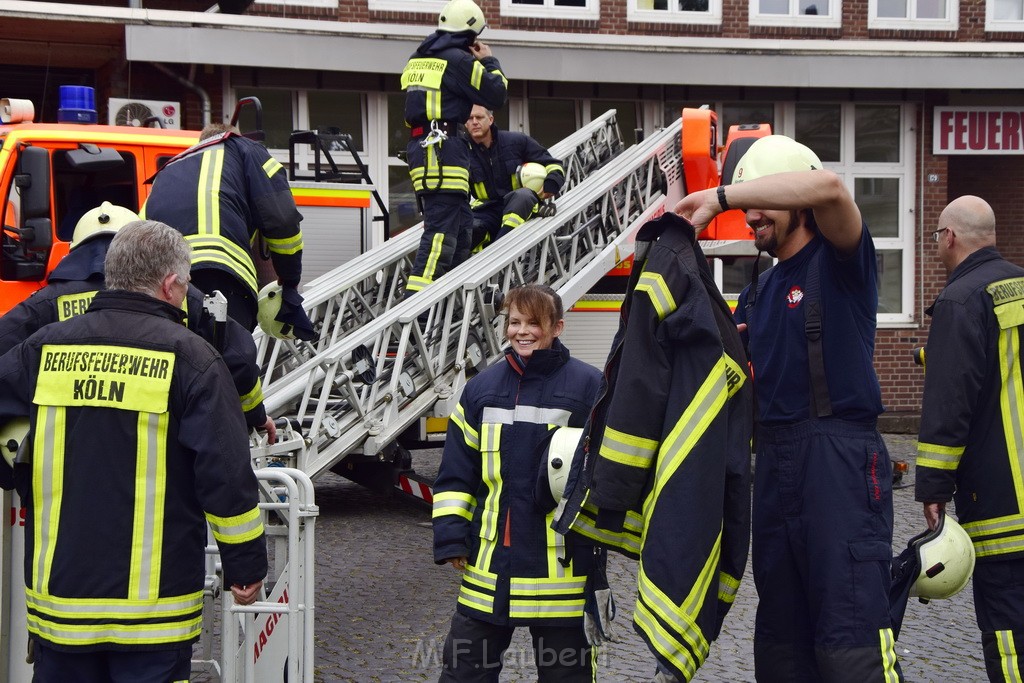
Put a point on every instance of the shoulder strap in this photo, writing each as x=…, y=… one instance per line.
x=821, y=404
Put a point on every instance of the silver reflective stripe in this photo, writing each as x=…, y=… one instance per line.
x=484, y=602
x=235, y=530
x=533, y=587
x=687, y=434
x=990, y=527
x=530, y=414
x=923, y=451
x=670, y=648
x=586, y=526
x=1009, y=343
x=519, y=608
x=1008, y=656
x=673, y=617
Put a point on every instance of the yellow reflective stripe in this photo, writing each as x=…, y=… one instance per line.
x=47, y=490
x=625, y=540
x=220, y=250
x=512, y=220
x=735, y=376
x=1006, y=295
x=1011, y=403
x=469, y=435
x=667, y=646
x=727, y=587
x=433, y=104
x=526, y=586
x=477, y=77
x=476, y=599
x=454, y=172
x=237, y=529
x=453, y=503
x=480, y=191
x=271, y=166
x=70, y=305
x=208, y=199
x=545, y=609
x=654, y=286
x=996, y=525
x=553, y=168
x=999, y=546
x=113, y=608
x=888, y=644
x=416, y=283
x=555, y=544
x=436, y=245
x=1008, y=662
x=253, y=397
x=121, y=634
x=502, y=76
x=688, y=430
x=939, y=457
x=627, y=449
x=150, y=490
x=285, y=245
x=491, y=475
x=676, y=619
x=480, y=577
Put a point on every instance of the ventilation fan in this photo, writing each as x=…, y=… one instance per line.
x=132, y=114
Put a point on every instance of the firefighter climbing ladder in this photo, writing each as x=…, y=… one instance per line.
x=357, y=292
x=368, y=379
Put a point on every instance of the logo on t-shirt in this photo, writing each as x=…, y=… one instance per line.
x=795, y=296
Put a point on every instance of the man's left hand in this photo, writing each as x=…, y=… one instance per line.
x=246, y=595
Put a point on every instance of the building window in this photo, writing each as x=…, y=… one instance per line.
x=920, y=15
x=675, y=11
x=1004, y=15
x=817, y=13
x=561, y=9
x=300, y=3
x=422, y=6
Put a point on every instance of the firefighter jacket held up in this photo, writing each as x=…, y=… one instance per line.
x=486, y=505
x=970, y=445
x=137, y=443
x=664, y=472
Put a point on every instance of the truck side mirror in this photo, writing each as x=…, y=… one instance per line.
x=90, y=158
x=33, y=181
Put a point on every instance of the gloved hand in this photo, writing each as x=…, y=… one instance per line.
x=293, y=314
x=599, y=605
x=547, y=208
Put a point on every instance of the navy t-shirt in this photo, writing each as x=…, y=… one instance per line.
x=778, y=343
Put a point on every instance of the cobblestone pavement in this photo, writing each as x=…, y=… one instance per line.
x=383, y=606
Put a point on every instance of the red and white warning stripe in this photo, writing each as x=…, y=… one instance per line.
x=416, y=489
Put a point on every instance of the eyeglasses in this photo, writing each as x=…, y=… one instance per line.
x=936, y=233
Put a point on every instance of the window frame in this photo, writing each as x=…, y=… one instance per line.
x=834, y=19
x=410, y=6
x=710, y=17
x=1001, y=25
x=300, y=3
x=592, y=12
x=910, y=23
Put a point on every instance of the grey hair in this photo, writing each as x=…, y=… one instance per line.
x=142, y=254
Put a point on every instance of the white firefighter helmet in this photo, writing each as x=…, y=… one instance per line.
x=461, y=15
x=12, y=433
x=532, y=175
x=775, y=154
x=105, y=219
x=268, y=306
x=561, y=451
x=947, y=560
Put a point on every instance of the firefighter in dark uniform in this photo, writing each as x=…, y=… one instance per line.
x=822, y=512
x=137, y=443
x=491, y=514
x=75, y=281
x=669, y=440
x=221, y=193
x=449, y=73
x=501, y=203
x=970, y=445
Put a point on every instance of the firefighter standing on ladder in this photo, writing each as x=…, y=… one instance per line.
x=137, y=442
x=822, y=504
x=220, y=194
x=449, y=73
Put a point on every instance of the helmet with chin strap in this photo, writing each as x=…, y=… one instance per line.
x=461, y=15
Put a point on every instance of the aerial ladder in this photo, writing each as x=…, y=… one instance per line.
x=381, y=363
